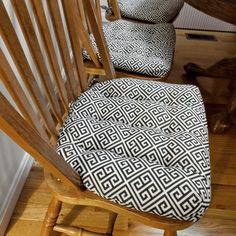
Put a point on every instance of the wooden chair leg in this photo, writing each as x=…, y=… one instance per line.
x=50, y=219
x=170, y=233
x=111, y=223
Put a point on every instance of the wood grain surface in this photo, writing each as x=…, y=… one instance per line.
x=222, y=9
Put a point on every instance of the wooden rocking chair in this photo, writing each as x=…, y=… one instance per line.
x=41, y=111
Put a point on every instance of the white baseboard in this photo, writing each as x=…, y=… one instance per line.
x=12, y=196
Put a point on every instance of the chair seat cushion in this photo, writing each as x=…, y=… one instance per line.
x=141, y=144
x=140, y=48
x=153, y=11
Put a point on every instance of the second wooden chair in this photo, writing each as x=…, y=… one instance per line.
x=138, y=49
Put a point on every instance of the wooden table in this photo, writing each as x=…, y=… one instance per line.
x=225, y=69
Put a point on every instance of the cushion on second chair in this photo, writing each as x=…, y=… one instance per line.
x=143, y=145
x=153, y=11
x=140, y=48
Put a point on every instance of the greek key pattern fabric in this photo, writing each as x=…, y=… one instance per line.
x=141, y=48
x=153, y=11
x=143, y=145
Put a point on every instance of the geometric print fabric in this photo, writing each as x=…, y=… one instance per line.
x=141, y=48
x=120, y=138
x=153, y=11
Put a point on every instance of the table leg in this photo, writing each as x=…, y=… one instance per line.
x=224, y=69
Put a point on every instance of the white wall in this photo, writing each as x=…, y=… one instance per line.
x=14, y=168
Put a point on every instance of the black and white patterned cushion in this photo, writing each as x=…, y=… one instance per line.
x=140, y=48
x=153, y=11
x=143, y=145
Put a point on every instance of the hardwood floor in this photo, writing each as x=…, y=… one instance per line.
x=219, y=220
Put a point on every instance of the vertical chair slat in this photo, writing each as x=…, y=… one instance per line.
x=82, y=14
x=75, y=27
x=100, y=39
x=14, y=47
x=24, y=135
x=84, y=28
x=113, y=4
x=79, y=30
x=34, y=47
x=99, y=12
x=42, y=24
x=12, y=85
x=63, y=47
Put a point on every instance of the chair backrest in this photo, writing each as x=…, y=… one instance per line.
x=42, y=68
